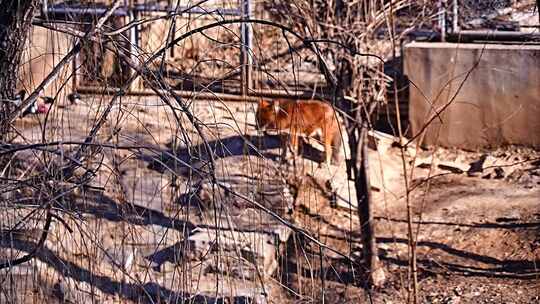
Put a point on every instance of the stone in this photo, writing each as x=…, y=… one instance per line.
x=240, y=252
x=499, y=173
x=477, y=167
x=452, y=169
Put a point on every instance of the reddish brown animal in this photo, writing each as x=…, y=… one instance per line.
x=301, y=118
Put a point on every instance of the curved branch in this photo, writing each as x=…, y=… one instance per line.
x=32, y=254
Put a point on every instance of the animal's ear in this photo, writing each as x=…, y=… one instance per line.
x=263, y=103
x=276, y=106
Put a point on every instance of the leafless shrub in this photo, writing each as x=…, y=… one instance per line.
x=164, y=197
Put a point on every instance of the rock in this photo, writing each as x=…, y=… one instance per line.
x=378, y=277
x=424, y=166
x=74, y=98
x=452, y=169
x=477, y=167
x=68, y=290
x=499, y=173
x=234, y=267
x=242, y=254
x=381, y=141
x=260, y=299
x=121, y=258
x=273, y=193
x=521, y=177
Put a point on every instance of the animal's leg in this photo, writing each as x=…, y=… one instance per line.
x=327, y=142
x=294, y=145
x=284, y=138
x=336, y=147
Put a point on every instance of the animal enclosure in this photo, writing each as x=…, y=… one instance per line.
x=150, y=177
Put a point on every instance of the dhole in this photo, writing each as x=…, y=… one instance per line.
x=301, y=118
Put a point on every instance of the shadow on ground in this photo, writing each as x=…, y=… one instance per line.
x=139, y=293
x=179, y=160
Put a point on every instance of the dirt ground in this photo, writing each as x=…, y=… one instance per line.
x=478, y=233
x=476, y=215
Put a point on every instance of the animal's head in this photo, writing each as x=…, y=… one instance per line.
x=266, y=114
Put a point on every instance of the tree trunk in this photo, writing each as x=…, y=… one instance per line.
x=15, y=22
x=358, y=170
x=365, y=208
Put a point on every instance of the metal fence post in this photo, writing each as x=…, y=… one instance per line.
x=455, y=17
x=442, y=19
x=133, y=40
x=247, y=42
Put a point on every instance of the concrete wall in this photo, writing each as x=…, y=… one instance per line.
x=498, y=103
x=43, y=50
x=195, y=54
